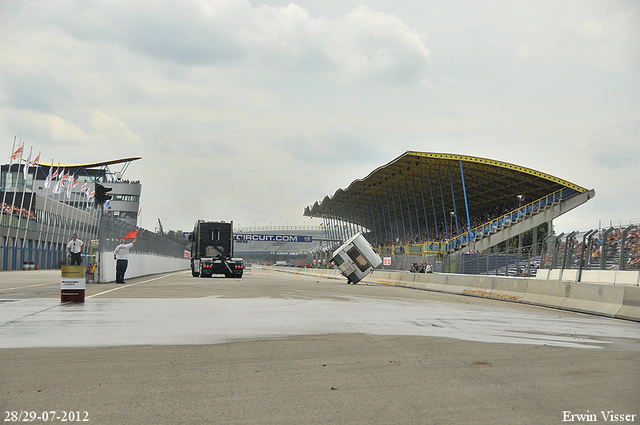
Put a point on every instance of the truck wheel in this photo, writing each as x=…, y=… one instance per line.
x=195, y=273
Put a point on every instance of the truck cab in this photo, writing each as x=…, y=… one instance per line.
x=212, y=250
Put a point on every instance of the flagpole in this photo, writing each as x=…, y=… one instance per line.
x=13, y=198
x=25, y=172
x=4, y=198
x=33, y=194
x=56, y=191
x=13, y=204
x=4, y=192
x=75, y=214
x=44, y=209
x=70, y=210
x=15, y=241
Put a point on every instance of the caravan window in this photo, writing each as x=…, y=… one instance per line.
x=358, y=258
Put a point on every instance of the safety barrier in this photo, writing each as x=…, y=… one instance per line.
x=618, y=301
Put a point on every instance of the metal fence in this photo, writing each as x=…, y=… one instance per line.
x=615, y=248
x=112, y=230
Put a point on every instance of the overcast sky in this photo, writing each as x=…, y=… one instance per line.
x=251, y=110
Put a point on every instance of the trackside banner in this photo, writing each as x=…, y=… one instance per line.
x=249, y=237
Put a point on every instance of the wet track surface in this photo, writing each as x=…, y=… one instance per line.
x=283, y=348
x=301, y=307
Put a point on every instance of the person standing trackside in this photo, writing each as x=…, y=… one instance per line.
x=121, y=255
x=74, y=250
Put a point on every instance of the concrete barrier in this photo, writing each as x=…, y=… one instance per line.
x=614, y=277
x=548, y=293
x=605, y=300
x=618, y=301
x=140, y=265
x=630, y=308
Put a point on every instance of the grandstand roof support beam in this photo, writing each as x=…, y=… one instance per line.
x=404, y=228
x=360, y=218
x=336, y=228
x=444, y=208
x=397, y=234
x=406, y=192
x=384, y=220
x=453, y=197
x=466, y=203
x=415, y=203
x=376, y=218
x=424, y=207
x=352, y=227
x=363, y=220
x=433, y=204
x=324, y=223
x=352, y=221
x=373, y=220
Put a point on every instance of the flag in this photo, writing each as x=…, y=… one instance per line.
x=106, y=204
x=25, y=170
x=56, y=189
x=56, y=173
x=17, y=152
x=37, y=160
x=69, y=190
x=74, y=183
x=132, y=234
x=47, y=181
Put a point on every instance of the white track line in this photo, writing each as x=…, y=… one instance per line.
x=132, y=284
x=30, y=286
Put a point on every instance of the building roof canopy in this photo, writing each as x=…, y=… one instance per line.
x=415, y=176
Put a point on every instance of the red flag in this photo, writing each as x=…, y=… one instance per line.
x=16, y=153
x=132, y=234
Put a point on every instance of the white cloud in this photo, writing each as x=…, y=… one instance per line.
x=361, y=44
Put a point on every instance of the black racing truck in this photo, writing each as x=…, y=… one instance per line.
x=212, y=250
